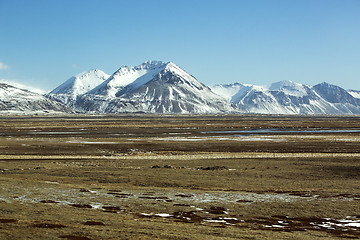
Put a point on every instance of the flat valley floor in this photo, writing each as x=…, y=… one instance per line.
x=83, y=177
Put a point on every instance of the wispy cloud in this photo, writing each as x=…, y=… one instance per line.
x=3, y=66
x=74, y=66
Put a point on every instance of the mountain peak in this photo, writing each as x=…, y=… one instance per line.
x=282, y=84
x=178, y=71
x=170, y=65
x=151, y=64
x=96, y=72
x=129, y=77
x=148, y=65
x=81, y=83
x=289, y=87
x=324, y=84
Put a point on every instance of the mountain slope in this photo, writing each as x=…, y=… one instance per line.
x=13, y=99
x=130, y=77
x=335, y=94
x=338, y=97
x=153, y=87
x=79, y=84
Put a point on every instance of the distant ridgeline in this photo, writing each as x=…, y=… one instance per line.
x=159, y=87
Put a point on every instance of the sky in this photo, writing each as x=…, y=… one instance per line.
x=45, y=42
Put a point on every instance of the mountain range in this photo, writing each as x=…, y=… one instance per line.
x=287, y=97
x=159, y=87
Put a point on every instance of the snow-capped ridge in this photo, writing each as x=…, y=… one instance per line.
x=172, y=67
x=282, y=84
x=13, y=99
x=22, y=86
x=151, y=64
x=125, y=76
x=288, y=97
x=81, y=83
x=289, y=87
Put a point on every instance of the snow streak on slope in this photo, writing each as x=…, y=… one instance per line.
x=354, y=93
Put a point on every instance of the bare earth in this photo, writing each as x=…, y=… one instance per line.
x=179, y=177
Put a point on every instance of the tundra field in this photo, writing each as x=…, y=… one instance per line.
x=179, y=177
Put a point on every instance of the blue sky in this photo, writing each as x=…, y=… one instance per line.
x=45, y=42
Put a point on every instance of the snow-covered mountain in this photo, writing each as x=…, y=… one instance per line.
x=77, y=85
x=16, y=100
x=287, y=97
x=151, y=87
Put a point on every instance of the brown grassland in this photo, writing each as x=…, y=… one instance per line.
x=179, y=177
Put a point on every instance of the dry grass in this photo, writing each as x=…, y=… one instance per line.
x=107, y=177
